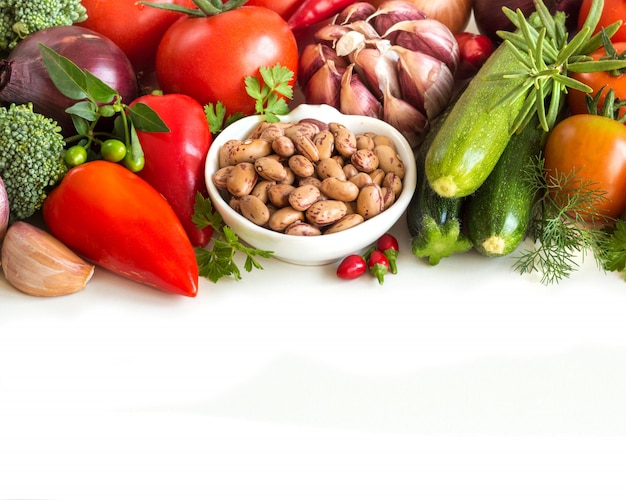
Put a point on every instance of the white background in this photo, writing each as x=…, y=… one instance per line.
x=462, y=380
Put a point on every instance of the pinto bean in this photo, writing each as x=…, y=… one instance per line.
x=370, y=201
x=304, y=196
x=241, y=179
x=253, y=209
x=325, y=212
x=339, y=189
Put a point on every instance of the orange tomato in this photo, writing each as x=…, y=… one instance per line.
x=588, y=150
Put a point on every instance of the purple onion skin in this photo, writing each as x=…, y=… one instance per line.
x=24, y=78
x=489, y=17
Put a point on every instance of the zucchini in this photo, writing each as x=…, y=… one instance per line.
x=498, y=214
x=434, y=222
x=467, y=147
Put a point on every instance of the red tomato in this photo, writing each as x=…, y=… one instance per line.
x=135, y=28
x=589, y=149
x=597, y=80
x=123, y=225
x=208, y=58
x=613, y=10
x=284, y=7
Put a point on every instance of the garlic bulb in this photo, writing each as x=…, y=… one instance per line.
x=391, y=62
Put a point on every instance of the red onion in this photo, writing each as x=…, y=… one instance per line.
x=490, y=18
x=24, y=78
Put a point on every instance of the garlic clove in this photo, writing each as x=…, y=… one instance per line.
x=37, y=263
x=426, y=82
x=349, y=43
x=358, y=11
x=324, y=85
x=377, y=69
x=409, y=121
x=428, y=36
x=4, y=210
x=313, y=57
x=366, y=29
x=392, y=12
x=355, y=98
x=330, y=33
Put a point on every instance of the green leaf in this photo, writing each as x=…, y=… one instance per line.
x=84, y=109
x=144, y=118
x=135, y=144
x=215, y=115
x=67, y=77
x=98, y=90
x=614, y=247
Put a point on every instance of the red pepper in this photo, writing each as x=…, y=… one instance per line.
x=115, y=219
x=378, y=265
x=315, y=11
x=388, y=244
x=175, y=160
x=351, y=267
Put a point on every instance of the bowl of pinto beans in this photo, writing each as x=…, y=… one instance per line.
x=313, y=187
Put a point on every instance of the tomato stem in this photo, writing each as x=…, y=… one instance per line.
x=206, y=8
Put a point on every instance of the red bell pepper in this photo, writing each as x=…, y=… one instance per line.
x=115, y=219
x=175, y=160
x=315, y=11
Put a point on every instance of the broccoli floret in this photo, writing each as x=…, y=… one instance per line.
x=20, y=18
x=31, y=158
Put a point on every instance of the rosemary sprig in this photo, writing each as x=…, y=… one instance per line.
x=547, y=56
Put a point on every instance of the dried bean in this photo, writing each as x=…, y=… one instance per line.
x=253, y=209
x=325, y=212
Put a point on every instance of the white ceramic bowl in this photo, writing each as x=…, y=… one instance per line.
x=326, y=248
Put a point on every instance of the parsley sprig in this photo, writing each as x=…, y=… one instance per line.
x=614, y=246
x=218, y=261
x=270, y=96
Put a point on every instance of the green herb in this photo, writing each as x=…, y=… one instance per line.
x=89, y=92
x=614, y=247
x=270, y=98
x=561, y=230
x=547, y=55
x=218, y=262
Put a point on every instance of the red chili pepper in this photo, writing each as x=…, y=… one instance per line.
x=378, y=265
x=113, y=218
x=175, y=160
x=388, y=244
x=351, y=267
x=315, y=11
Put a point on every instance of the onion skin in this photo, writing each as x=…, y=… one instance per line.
x=490, y=18
x=24, y=78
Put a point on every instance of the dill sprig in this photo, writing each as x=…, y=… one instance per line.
x=565, y=227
